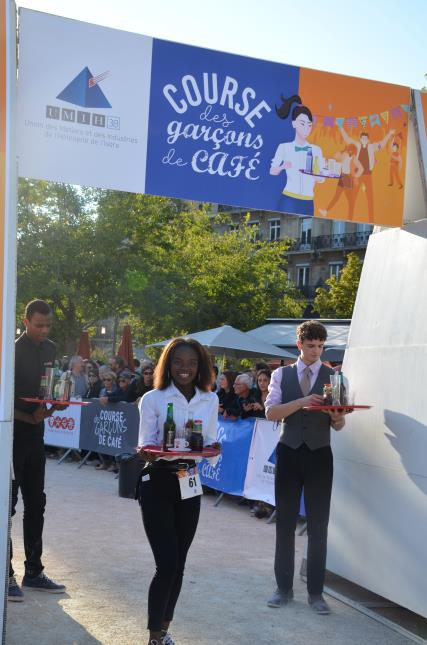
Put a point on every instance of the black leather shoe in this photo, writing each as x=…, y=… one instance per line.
x=319, y=605
x=280, y=598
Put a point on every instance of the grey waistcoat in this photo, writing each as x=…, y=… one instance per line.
x=312, y=428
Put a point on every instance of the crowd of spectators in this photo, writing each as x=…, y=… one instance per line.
x=241, y=394
x=110, y=383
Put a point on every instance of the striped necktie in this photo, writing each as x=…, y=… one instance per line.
x=306, y=381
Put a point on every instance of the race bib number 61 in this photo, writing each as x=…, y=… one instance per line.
x=189, y=483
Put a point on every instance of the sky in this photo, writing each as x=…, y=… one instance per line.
x=383, y=40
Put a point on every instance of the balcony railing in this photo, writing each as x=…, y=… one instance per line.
x=338, y=241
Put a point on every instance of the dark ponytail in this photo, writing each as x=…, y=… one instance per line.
x=283, y=111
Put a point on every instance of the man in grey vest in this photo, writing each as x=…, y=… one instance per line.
x=304, y=461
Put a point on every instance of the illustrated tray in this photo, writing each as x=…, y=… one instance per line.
x=349, y=408
x=54, y=401
x=157, y=451
x=312, y=174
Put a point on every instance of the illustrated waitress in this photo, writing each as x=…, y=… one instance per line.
x=294, y=156
x=183, y=378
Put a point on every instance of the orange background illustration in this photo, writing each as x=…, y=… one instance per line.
x=337, y=96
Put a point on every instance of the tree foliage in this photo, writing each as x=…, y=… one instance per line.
x=94, y=254
x=337, y=301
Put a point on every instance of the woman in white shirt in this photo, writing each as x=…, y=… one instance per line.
x=184, y=377
x=298, y=192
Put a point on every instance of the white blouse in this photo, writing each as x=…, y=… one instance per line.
x=153, y=408
x=298, y=185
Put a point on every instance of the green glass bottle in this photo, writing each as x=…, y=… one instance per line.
x=169, y=429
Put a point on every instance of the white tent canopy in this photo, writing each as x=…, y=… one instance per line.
x=233, y=343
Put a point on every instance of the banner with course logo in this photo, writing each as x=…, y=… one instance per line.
x=62, y=429
x=259, y=481
x=83, y=101
x=228, y=474
x=132, y=113
x=109, y=429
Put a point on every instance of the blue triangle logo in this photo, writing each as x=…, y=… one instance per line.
x=84, y=91
x=272, y=457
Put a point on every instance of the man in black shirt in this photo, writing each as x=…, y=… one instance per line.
x=34, y=352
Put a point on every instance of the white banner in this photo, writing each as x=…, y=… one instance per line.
x=259, y=482
x=62, y=429
x=83, y=97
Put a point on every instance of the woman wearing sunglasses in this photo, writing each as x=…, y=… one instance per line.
x=95, y=385
x=109, y=383
x=184, y=378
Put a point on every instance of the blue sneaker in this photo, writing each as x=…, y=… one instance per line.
x=42, y=583
x=14, y=593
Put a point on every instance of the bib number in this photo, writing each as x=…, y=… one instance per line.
x=189, y=483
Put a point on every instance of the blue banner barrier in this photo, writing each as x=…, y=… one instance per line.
x=109, y=429
x=228, y=475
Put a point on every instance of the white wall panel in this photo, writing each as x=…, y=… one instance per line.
x=378, y=529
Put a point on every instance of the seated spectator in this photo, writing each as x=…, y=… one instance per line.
x=95, y=385
x=263, y=381
x=109, y=386
x=122, y=392
x=117, y=364
x=242, y=387
x=137, y=365
x=103, y=369
x=79, y=382
x=228, y=401
x=214, y=387
x=90, y=365
x=141, y=385
x=254, y=372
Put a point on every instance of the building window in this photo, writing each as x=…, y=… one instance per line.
x=363, y=232
x=306, y=225
x=303, y=275
x=338, y=229
x=274, y=230
x=335, y=269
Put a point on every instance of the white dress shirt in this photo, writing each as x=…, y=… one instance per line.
x=274, y=396
x=298, y=185
x=153, y=409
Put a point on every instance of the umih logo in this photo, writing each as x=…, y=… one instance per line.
x=272, y=457
x=270, y=466
x=84, y=90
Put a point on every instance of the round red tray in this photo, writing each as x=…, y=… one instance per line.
x=318, y=408
x=54, y=401
x=189, y=454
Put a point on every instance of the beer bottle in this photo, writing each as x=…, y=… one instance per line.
x=189, y=427
x=196, y=440
x=169, y=429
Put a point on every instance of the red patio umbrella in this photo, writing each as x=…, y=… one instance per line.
x=83, y=349
x=126, y=348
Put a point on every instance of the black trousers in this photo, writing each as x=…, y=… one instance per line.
x=313, y=471
x=29, y=469
x=170, y=524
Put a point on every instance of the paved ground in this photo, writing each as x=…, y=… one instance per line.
x=95, y=544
